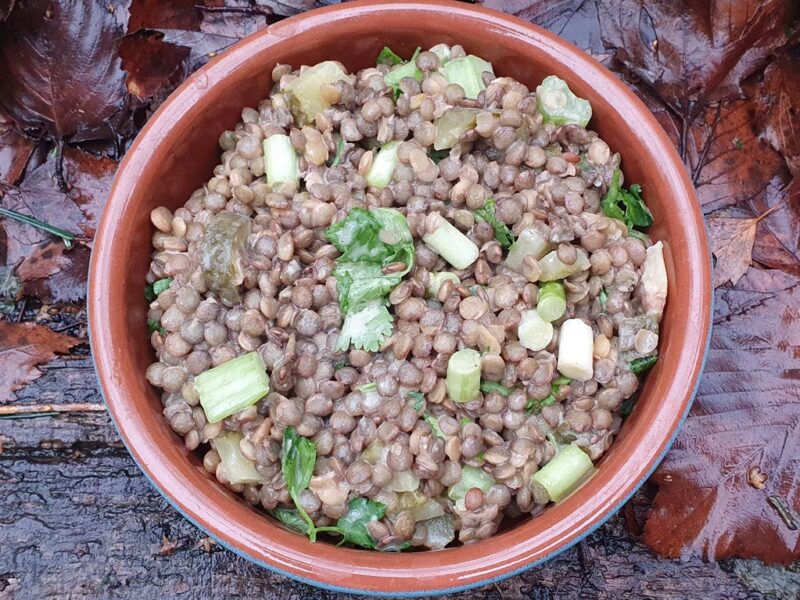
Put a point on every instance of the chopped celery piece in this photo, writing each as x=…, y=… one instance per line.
x=448, y=242
x=467, y=72
x=558, y=105
x=552, y=301
x=232, y=386
x=305, y=97
x=452, y=125
x=471, y=477
x=436, y=281
x=553, y=268
x=235, y=466
x=409, y=69
x=382, y=169
x=418, y=504
x=464, y=375
x=653, y=284
x=564, y=472
x=529, y=243
x=575, y=349
x=441, y=531
x=280, y=160
x=222, y=250
x=403, y=481
x=442, y=51
x=534, y=332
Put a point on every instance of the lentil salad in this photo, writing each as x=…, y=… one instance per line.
x=410, y=303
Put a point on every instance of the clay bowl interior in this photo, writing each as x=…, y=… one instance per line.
x=175, y=155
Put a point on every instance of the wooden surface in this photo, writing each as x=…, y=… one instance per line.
x=78, y=520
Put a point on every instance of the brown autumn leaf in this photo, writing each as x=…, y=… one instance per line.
x=59, y=69
x=151, y=64
x=157, y=14
x=778, y=109
x=732, y=243
x=780, y=247
x=15, y=149
x=747, y=414
x=5, y=9
x=24, y=346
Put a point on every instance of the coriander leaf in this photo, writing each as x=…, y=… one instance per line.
x=340, y=364
x=388, y=57
x=626, y=205
x=480, y=455
x=298, y=456
x=538, y=405
x=501, y=231
x=339, y=152
x=559, y=381
x=433, y=423
x=154, y=325
x=603, y=297
x=640, y=365
x=637, y=212
x=465, y=421
x=152, y=291
x=368, y=387
x=488, y=387
x=419, y=399
x=438, y=155
x=400, y=72
x=291, y=518
x=366, y=328
x=353, y=526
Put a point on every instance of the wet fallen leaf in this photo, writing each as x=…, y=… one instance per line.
x=15, y=149
x=157, y=14
x=732, y=243
x=780, y=247
x=778, y=109
x=23, y=347
x=54, y=274
x=59, y=69
x=5, y=8
x=747, y=413
x=151, y=64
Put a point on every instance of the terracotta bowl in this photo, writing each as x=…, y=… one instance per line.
x=177, y=150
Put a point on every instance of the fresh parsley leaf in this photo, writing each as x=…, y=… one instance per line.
x=419, y=399
x=291, y=518
x=433, y=423
x=603, y=297
x=465, y=421
x=365, y=329
x=501, y=231
x=538, y=405
x=626, y=205
x=388, y=57
x=487, y=387
x=340, y=364
x=152, y=291
x=640, y=365
x=353, y=526
x=438, y=155
x=339, y=152
x=298, y=456
x=480, y=455
x=368, y=387
x=400, y=72
x=154, y=325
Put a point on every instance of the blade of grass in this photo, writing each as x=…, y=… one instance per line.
x=66, y=237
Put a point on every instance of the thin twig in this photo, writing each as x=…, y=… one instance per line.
x=21, y=314
x=27, y=409
x=264, y=11
x=62, y=183
x=70, y=326
x=771, y=210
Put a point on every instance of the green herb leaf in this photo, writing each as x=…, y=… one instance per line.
x=152, y=291
x=465, y=421
x=154, y=325
x=353, y=526
x=438, y=155
x=501, y=231
x=419, y=399
x=388, y=57
x=538, y=405
x=291, y=518
x=298, y=456
x=365, y=329
x=487, y=387
x=640, y=365
x=340, y=364
x=339, y=152
x=368, y=387
x=626, y=205
x=603, y=297
x=400, y=72
x=480, y=455
x=433, y=423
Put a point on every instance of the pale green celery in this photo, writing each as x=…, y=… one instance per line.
x=232, y=386
x=452, y=125
x=418, y=504
x=467, y=72
x=304, y=92
x=552, y=301
x=382, y=169
x=558, y=105
x=436, y=281
x=280, y=160
x=553, y=268
x=529, y=243
x=235, y=466
x=471, y=477
x=464, y=375
x=562, y=475
x=442, y=51
x=534, y=332
x=440, y=532
x=403, y=481
x=409, y=69
x=449, y=243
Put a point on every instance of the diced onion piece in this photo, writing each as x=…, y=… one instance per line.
x=407, y=69
x=471, y=477
x=403, y=481
x=436, y=280
x=552, y=301
x=452, y=125
x=558, y=105
x=562, y=475
x=529, y=243
x=442, y=51
x=553, y=268
x=441, y=531
x=575, y=348
x=654, y=280
x=280, y=160
x=382, y=169
x=467, y=72
x=304, y=92
x=235, y=466
x=449, y=243
x=232, y=386
x=464, y=375
x=534, y=332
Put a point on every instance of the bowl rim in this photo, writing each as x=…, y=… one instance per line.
x=377, y=579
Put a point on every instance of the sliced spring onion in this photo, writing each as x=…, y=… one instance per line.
x=467, y=72
x=529, y=243
x=235, y=466
x=575, y=348
x=562, y=475
x=471, y=477
x=449, y=243
x=280, y=160
x=304, y=95
x=464, y=375
x=437, y=279
x=382, y=169
x=452, y=125
x=552, y=301
x=534, y=332
x=558, y=105
x=232, y=386
x=553, y=268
